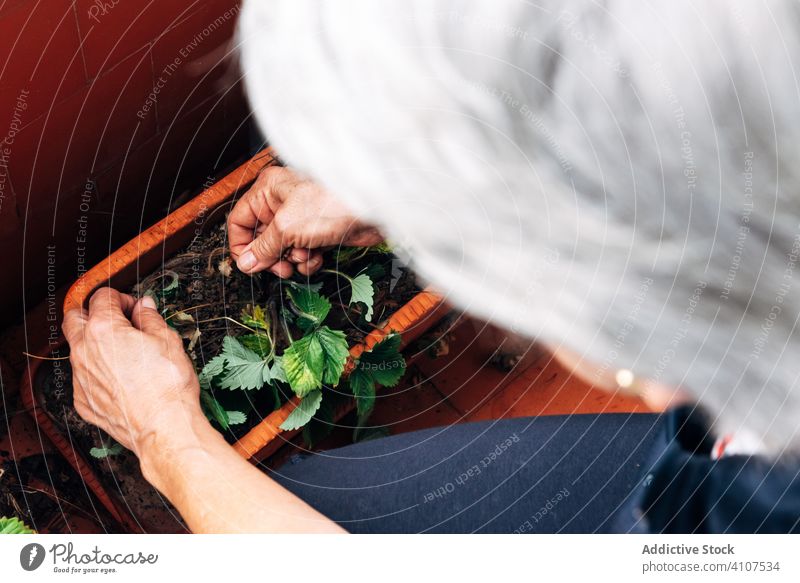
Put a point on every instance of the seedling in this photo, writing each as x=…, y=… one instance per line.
x=293, y=350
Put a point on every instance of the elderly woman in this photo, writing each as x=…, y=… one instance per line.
x=616, y=180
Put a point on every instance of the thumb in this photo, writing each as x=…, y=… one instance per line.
x=263, y=252
x=146, y=318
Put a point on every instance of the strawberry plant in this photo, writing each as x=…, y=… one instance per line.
x=314, y=358
x=293, y=340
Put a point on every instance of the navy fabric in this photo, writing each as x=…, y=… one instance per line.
x=577, y=473
x=688, y=492
x=547, y=474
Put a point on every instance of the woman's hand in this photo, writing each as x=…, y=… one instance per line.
x=131, y=375
x=284, y=212
x=132, y=378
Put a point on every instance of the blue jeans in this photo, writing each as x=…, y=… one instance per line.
x=576, y=473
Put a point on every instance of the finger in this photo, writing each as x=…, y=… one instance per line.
x=264, y=252
x=282, y=269
x=313, y=264
x=298, y=255
x=146, y=318
x=247, y=219
x=363, y=237
x=109, y=305
x=73, y=326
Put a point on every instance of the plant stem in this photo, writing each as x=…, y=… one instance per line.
x=339, y=273
x=230, y=320
x=29, y=355
x=183, y=311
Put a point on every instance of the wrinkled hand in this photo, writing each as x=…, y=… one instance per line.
x=131, y=376
x=284, y=221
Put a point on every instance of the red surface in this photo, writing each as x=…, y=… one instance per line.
x=84, y=70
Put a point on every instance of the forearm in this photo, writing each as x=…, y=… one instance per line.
x=215, y=490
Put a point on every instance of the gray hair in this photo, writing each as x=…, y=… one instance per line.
x=608, y=177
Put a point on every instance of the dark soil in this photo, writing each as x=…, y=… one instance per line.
x=211, y=290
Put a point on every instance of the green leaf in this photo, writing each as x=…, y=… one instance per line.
x=213, y=410
x=312, y=308
x=334, y=347
x=384, y=363
x=212, y=369
x=363, y=387
x=106, y=451
x=277, y=371
x=303, y=412
x=244, y=369
x=255, y=317
x=303, y=363
x=362, y=290
x=236, y=417
x=13, y=525
x=315, y=287
x=258, y=343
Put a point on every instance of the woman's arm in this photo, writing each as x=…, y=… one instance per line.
x=216, y=490
x=132, y=378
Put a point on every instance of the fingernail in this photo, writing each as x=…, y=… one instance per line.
x=149, y=302
x=314, y=261
x=247, y=261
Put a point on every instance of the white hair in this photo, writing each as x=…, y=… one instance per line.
x=618, y=178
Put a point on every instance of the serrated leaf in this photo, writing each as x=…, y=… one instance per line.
x=334, y=347
x=236, y=417
x=363, y=387
x=13, y=525
x=212, y=409
x=244, y=369
x=303, y=363
x=312, y=308
x=255, y=317
x=258, y=343
x=315, y=287
x=362, y=290
x=384, y=363
x=106, y=451
x=276, y=370
x=212, y=369
x=303, y=413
